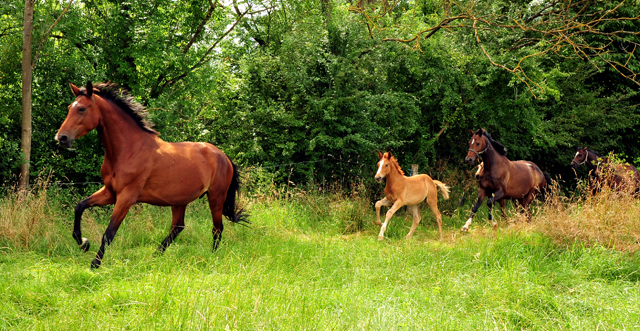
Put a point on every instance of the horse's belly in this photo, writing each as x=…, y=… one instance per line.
x=172, y=191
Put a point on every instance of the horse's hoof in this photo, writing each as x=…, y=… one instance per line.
x=380, y=238
x=159, y=251
x=85, y=244
x=495, y=225
x=95, y=264
x=464, y=229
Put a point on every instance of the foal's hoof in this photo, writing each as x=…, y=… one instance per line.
x=380, y=238
x=85, y=244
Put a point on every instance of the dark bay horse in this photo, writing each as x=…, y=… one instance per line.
x=618, y=176
x=502, y=178
x=406, y=191
x=140, y=167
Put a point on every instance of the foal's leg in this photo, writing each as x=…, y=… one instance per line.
x=416, y=219
x=433, y=204
x=216, y=201
x=399, y=203
x=123, y=204
x=383, y=202
x=102, y=197
x=177, y=225
x=481, y=195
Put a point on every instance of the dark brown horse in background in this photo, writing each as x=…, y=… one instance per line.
x=140, y=167
x=501, y=178
x=616, y=176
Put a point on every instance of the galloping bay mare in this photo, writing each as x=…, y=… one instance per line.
x=406, y=191
x=502, y=178
x=618, y=177
x=140, y=167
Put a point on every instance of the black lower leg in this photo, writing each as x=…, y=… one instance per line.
x=169, y=239
x=77, y=232
x=107, y=238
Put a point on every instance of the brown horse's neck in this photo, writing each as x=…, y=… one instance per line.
x=492, y=159
x=119, y=133
x=394, y=175
x=592, y=161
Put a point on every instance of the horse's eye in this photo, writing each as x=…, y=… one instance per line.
x=386, y=165
x=81, y=109
x=477, y=144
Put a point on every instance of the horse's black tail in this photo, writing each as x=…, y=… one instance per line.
x=229, y=208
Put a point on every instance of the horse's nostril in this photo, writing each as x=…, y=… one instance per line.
x=63, y=139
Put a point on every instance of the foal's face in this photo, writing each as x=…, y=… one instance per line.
x=384, y=166
x=477, y=146
x=83, y=116
x=581, y=157
x=480, y=171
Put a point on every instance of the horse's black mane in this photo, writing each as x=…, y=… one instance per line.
x=123, y=99
x=496, y=145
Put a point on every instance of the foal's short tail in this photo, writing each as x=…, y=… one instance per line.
x=229, y=208
x=444, y=189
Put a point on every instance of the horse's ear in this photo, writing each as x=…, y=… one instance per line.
x=379, y=154
x=389, y=153
x=89, y=88
x=480, y=131
x=471, y=131
x=74, y=89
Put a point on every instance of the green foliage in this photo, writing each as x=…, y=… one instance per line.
x=306, y=85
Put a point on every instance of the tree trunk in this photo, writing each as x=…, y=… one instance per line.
x=25, y=143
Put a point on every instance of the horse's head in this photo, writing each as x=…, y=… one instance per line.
x=384, y=165
x=582, y=155
x=83, y=116
x=477, y=145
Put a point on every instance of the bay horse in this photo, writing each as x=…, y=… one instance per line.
x=618, y=176
x=406, y=191
x=138, y=166
x=502, y=178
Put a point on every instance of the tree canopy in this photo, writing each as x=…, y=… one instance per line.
x=324, y=84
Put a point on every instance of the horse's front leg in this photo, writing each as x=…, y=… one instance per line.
x=384, y=202
x=481, y=195
x=396, y=205
x=123, y=204
x=102, y=197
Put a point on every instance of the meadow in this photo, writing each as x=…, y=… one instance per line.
x=311, y=261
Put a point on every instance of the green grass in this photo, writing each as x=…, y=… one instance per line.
x=310, y=263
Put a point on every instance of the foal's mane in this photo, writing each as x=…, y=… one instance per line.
x=498, y=147
x=123, y=99
x=394, y=161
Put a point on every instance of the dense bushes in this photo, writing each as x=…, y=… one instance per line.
x=296, y=86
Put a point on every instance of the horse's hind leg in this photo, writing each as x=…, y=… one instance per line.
x=433, y=204
x=416, y=219
x=177, y=225
x=102, y=197
x=215, y=204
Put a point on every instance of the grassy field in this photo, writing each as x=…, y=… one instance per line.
x=312, y=262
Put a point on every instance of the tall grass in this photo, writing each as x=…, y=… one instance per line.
x=311, y=260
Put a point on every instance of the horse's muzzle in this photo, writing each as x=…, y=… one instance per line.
x=379, y=179
x=574, y=165
x=469, y=160
x=64, y=141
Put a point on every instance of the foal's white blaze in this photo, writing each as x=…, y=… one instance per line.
x=473, y=140
x=380, y=168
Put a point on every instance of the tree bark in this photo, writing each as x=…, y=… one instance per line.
x=25, y=143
